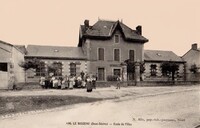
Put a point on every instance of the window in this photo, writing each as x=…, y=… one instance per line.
x=40, y=70
x=72, y=69
x=3, y=67
x=101, y=54
x=101, y=74
x=116, y=38
x=132, y=55
x=153, y=69
x=56, y=68
x=116, y=55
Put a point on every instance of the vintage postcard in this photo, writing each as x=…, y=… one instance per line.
x=99, y=64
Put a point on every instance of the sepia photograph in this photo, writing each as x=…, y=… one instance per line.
x=99, y=64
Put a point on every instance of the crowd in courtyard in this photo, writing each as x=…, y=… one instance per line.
x=69, y=82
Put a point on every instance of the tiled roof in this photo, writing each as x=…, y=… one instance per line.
x=157, y=55
x=22, y=48
x=105, y=29
x=55, y=52
x=18, y=47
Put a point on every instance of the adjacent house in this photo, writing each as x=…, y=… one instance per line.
x=107, y=44
x=66, y=60
x=10, y=71
x=192, y=57
x=153, y=60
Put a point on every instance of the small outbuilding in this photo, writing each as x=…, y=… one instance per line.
x=10, y=71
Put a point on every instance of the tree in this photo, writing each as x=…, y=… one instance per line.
x=55, y=68
x=169, y=67
x=28, y=64
x=131, y=67
x=194, y=68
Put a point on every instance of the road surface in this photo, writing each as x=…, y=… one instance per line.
x=180, y=109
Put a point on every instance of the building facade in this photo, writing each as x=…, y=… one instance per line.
x=65, y=60
x=192, y=57
x=153, y=70
x=10, y=71
x=103, y=50
x=107, y=44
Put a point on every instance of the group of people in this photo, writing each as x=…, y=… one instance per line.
x=69, y=82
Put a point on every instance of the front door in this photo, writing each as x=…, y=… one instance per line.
x=116, y=72
x=101, y=74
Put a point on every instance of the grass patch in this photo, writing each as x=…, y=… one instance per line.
x=17, y=104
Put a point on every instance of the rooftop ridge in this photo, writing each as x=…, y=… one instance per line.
x=51, y=46
x=158, y=50
x=108, y=20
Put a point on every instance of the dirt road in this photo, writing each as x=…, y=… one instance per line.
x=172, y=109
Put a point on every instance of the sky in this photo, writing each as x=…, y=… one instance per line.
x=168, y=24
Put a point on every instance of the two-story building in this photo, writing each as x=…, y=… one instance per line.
x=103, y=49
x=107, y=44
x=192, y=57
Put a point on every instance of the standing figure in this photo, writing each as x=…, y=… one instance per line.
x=64, y=82
x=89, y=84
x=42, y=81
x=71, y=82
x=94, y=81
x=118, y=82
x=79, y=81
x=55, y=83
x=82, y=74
x=52, y=81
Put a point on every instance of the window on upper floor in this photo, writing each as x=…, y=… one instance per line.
x=116, y=38
x=100, y=53
x=116, y=55
x=132, y=55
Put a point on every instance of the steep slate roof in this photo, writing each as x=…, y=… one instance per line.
x=55, y=52
x=157, y=55
x=103, y=29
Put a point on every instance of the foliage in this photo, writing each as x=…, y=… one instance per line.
x=33, y=63
x=131, y=66
x=55, y=68
x=194, y=68
x=169, y=67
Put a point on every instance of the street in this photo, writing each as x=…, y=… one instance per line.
x=172, y=109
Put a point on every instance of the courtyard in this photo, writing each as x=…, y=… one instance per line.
x=170, y=106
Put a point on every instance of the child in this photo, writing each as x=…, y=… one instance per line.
x=118, y=82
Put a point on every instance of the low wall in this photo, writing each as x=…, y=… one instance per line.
x=193, y=77
x=146, y=83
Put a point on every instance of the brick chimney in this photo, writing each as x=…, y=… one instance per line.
x=139, y=29
x=194, y=46
x=86, y=23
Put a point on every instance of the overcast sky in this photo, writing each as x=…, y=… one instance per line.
x=169, y=25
